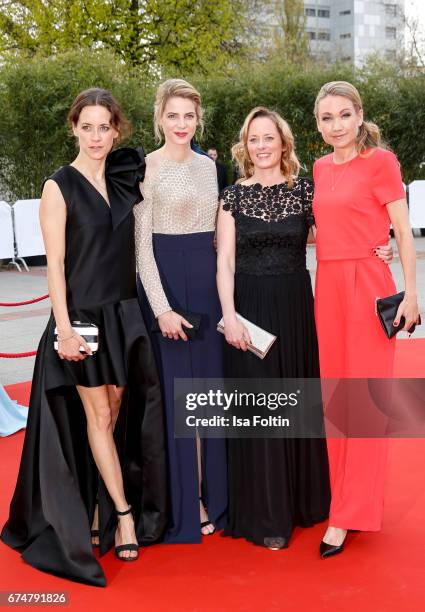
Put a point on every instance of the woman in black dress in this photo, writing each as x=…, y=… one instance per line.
x=78, y=400
x=274, y=484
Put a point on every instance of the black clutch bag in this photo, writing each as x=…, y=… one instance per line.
x=193, y=318
x=386, y=309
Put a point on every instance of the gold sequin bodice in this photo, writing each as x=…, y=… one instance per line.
x=181, y=198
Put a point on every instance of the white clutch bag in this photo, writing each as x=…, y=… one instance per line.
x=261, y=340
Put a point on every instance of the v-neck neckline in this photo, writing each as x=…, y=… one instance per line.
x=93, y=187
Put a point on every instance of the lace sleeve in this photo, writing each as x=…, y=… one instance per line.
x=307, y=189
x=146, y=264
x=228, y=198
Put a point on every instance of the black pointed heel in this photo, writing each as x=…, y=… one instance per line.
x=206, y=523
x=329, y=550
x=124, y=547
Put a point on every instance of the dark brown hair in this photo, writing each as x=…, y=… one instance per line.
x=100, y=97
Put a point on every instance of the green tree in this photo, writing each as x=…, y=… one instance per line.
x=35, y=96
x=290, y=36
x=185, y=35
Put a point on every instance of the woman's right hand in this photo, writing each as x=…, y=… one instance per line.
x=69, y=348
x=170, y=323
x=236, y=333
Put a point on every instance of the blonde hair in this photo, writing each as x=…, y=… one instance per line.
x=289, y=164
x=369, y=135
x=175, y=88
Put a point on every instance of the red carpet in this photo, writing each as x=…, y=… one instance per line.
x=377, y=572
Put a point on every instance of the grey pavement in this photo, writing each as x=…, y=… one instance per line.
x=21, y=327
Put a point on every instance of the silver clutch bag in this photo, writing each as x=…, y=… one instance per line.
x=88, y=331
x=261, y=340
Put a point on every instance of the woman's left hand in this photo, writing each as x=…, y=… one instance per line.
x=385, y=253
x=409, y=310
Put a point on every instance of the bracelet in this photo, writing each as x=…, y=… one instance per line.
x=60, y=339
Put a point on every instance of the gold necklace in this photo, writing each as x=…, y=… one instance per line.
x=101, y=187
x=334, y=182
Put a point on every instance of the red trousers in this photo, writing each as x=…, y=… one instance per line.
x=352, y=344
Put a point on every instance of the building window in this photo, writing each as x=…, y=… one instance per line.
x=348, y=35
x=347, y=12
x=390, y=32
x=311, y=35
x=324, y=36
x=390, y=54
x=391, y=9
x=324, y=13
x=310, y=12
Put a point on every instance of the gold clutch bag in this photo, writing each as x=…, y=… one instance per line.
x=261, y=340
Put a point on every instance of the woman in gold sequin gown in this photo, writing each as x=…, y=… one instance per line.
x=176, y=261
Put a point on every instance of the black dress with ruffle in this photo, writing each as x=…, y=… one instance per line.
x=58, y=483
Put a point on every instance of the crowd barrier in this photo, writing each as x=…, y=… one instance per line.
x=28, y=237
x=24, y=303
x=20, y=232
x=7, y=250
x=417, y=204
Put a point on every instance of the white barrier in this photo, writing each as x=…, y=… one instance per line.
x=6, y=232
x=29, y=240
x=417, y=204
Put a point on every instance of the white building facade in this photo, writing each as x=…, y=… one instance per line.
x=353, y=29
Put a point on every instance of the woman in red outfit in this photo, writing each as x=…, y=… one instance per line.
x=358, y=193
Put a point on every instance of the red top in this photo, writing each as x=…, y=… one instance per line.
x=349, y=203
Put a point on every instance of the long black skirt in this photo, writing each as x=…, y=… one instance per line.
x=58, y=484
x=276, y=484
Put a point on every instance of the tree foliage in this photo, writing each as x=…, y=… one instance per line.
x=290, y=34
x=35, y=95
x=182, y=34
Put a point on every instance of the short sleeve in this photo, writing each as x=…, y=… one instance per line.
x=229, y=199
x=387, y=182
x=307, y=190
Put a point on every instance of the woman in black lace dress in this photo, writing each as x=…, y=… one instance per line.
x=275, y=484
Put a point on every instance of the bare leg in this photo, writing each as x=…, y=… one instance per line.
x=100, y=434
x=202, y=512
x=115, y=397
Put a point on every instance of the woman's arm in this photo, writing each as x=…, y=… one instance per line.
x=53, y=222
x=235, y=333
x=399, y=216
x=170, y=323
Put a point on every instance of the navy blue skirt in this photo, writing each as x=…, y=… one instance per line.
x=187, y=266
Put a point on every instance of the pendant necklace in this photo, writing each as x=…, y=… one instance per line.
x=334, y=182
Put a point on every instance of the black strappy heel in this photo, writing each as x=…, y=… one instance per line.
x=125, y=547
x=95, y=534
x=206, y=523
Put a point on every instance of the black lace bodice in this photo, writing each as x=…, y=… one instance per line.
x=272, y=225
